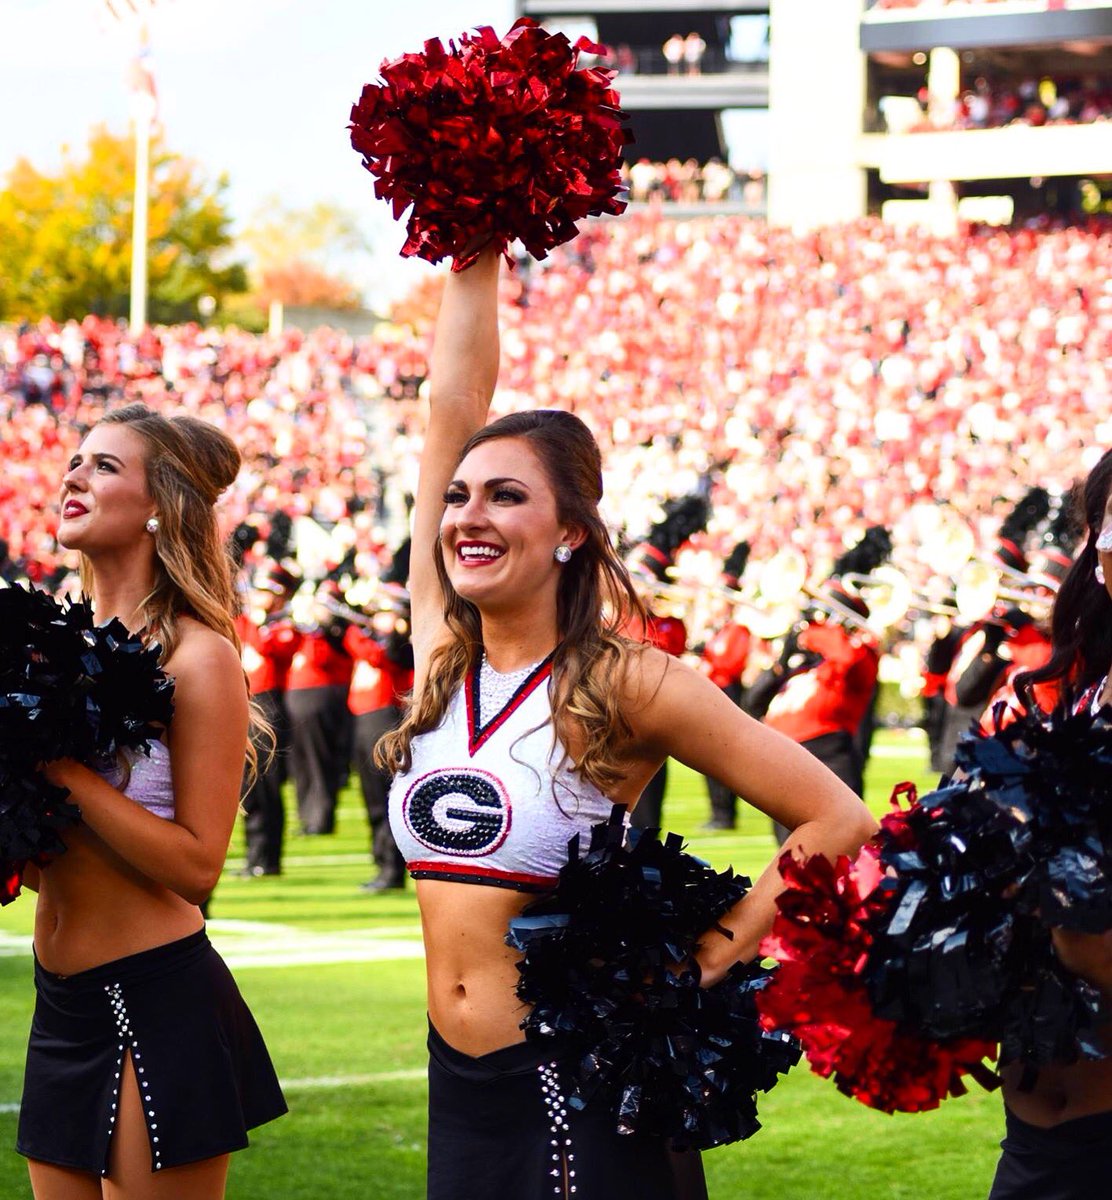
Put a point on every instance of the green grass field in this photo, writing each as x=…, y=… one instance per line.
x=336, y=982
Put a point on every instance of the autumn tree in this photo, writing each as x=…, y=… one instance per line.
x=301, y=256
x=65, y=238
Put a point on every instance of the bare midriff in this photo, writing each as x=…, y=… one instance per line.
x=1060, y=1093
x=471, y=971
x=94, y=908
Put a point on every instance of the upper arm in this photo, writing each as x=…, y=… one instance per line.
x=208, y=736
x=462, y=375
x=679, y=713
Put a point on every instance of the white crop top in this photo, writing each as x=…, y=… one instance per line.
x=148, y=781
x=494, y=804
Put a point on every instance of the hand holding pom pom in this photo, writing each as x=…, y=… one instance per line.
x=68, y=689
x=492, y=141
x=608, y=969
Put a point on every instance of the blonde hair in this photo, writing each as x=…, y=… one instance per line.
x=595, y=601
x=188, y=464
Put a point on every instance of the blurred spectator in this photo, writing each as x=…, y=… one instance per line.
x=673, y=51
x=693, y=50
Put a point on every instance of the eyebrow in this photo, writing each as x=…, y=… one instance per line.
x=492, y=483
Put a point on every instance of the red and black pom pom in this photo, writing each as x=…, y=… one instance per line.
x=491, y=141
x=823, y=938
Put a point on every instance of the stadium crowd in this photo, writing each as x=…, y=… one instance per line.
x=1036, y=102
x=816, y=384
x=688, y=181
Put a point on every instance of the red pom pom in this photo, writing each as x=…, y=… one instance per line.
x=821, y=938
x=492, y=141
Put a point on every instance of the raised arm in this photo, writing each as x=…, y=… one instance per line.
x=462, y=376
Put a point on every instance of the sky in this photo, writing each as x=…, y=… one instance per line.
x=258, y=89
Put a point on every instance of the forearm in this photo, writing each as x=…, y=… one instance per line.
x=465, y=353
x=160, y=849
x=751, y=919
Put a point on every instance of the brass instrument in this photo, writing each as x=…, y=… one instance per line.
x=768, y=610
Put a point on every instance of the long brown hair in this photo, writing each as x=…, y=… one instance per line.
x=595, y=600
x=188, y=463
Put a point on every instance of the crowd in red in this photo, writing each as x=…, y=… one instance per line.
x=816, y=383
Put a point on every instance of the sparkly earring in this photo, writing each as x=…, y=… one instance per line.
x=1099, y=573
x=562, y=553
x=151, y=525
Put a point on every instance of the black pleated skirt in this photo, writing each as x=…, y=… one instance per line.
x=204, y=1073
x=500, y=1127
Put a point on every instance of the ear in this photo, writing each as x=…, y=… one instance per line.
x=574, y=536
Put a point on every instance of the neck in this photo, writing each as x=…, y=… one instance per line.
x=119, y=591
x=516, y=642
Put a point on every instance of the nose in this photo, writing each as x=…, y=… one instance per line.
x=472, y=513
x=73, y=480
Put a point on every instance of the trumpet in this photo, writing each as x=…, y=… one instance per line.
x=980, y=586
x=768, y=610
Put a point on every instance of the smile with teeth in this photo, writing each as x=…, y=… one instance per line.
x=478, y=552
x=73, y=508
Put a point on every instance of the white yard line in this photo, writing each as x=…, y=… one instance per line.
x=267, y=944
x=317, y=1083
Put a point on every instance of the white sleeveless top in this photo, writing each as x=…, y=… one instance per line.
x=493, y=804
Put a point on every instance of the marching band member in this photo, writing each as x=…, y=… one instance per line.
x=724, y=659
x=981, y=663
x=1031, y=648
x=316, y=696
x=270, y=641
x=381, y=681
x=825, y=682
x=664, y=630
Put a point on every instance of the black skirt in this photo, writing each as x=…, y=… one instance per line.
x=1070, y=1161
x=500, y=1126
x=203, y=1071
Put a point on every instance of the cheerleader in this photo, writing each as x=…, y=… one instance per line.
x=531, y=716
x=145, y=1068
x=1058, y=1143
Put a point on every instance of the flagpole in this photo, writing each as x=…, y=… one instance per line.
x=144, y=113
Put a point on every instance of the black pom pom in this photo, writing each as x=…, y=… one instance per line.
x=68, y=689
x=980, y=872
x=608, y=970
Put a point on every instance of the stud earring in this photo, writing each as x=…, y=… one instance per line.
x=562, y=553
x=151, y=525
x=1099, y=573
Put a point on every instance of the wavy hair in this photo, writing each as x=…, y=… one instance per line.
x=1081, y=623
x=188, y=463
x=594, y=601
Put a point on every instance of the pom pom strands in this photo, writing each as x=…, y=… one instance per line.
x=492, y=141
x=68, y=689
x=823, y=938
x=949, y=943
x=607, y=970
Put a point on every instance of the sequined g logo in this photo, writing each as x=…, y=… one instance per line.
x=462, y=812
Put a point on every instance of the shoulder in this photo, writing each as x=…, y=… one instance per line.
x=644, y=671
x=203, y=656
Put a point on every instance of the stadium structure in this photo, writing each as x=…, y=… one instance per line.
x=857, y=96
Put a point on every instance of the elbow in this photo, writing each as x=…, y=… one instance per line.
x=199, y=884
x=867, y=825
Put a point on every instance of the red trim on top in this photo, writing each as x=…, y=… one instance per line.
x=476, y=737
x=466, y=872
